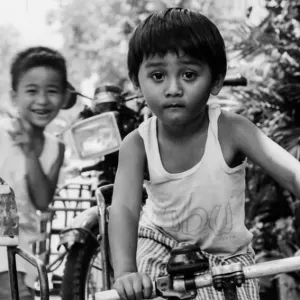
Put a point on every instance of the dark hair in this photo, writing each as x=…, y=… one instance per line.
x=175, y=29
x=35, y=57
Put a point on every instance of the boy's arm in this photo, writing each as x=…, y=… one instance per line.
x=41, y=186
x=260, y=149
x=126, y=205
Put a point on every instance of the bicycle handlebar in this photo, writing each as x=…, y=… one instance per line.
x=263, y=269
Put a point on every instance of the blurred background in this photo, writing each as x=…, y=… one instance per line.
x=263, y=44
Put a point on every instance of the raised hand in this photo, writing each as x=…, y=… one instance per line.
x=21, y=134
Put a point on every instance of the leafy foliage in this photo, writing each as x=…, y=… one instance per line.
x=96, y=32
x=271, y=53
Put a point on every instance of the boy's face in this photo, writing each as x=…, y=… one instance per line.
x=176, y=88
x=39, y=96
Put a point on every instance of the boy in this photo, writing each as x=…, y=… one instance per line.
x=31, y=158
x=195, y=155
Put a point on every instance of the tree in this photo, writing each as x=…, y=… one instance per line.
x=10, y=41
x=271, y=54
x=95, y=37
x=96, y=32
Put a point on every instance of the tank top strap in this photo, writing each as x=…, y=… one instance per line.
x=50, y=152
x=214, y=112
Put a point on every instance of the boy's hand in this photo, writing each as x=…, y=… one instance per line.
x=72, y=170
x=21, y=135
x=133, y=286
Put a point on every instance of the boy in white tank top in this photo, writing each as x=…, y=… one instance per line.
x=195, y=155
x=30, y=159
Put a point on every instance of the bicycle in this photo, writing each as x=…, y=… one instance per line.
x=174, y=286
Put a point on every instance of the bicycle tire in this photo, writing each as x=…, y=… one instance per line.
x=76, y=269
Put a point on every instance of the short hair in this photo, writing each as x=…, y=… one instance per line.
x=36, y=57
x=173, y=30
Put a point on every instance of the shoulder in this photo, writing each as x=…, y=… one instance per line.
x=133, y=144
x=234, y=122
x=241, y=131
x=132, y=159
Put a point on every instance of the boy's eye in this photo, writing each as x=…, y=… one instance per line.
x=31, y=91
x=157, y=76
x=189, y=75
x=54, y=91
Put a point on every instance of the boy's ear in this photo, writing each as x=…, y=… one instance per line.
x=217, y=85
x=70, y=97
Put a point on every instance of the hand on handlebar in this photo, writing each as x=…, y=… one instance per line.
x=72, y=170
x=133, y=286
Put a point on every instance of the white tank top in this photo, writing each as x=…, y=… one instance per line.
x=13, y=172
x=203, y=205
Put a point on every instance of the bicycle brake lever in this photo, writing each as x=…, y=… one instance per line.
x=164, y=289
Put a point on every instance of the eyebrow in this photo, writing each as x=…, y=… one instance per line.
x=184, y=61
x=155, y=64
x=31, y=85
x=36, y=85
x=190, y=61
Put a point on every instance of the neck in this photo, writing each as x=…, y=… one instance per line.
x=38, y=133
x=185, y=131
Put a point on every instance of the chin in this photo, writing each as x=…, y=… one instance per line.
x=176, y=120
x=40, y=124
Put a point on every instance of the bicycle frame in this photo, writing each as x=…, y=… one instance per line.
x=12, y=251
x=9, y=237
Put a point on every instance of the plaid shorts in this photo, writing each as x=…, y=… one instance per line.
x=153, y=254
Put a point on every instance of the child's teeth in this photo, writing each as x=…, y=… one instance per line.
x=41, y=112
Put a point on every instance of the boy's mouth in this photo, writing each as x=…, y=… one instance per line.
x=41, y=112
x=174, y=105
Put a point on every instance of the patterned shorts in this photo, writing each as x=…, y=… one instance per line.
x=153, y=254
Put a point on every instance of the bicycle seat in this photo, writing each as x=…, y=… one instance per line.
x=187, y=260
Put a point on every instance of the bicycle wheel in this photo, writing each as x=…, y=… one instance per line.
x=83, y=271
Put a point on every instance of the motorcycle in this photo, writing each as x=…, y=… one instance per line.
x=86, y=247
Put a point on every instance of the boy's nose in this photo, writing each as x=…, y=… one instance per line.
x=42, y=98
x=173, y=89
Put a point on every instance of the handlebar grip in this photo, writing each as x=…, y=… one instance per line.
x=235, y=81
x=108, y=88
